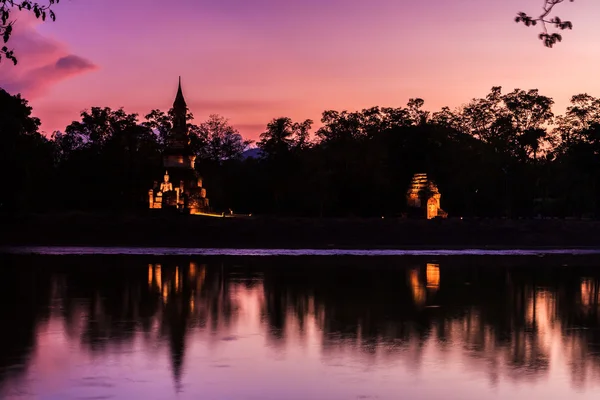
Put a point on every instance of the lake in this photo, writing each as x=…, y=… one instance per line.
x=214, y=325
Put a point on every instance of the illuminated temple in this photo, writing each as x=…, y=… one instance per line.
x=181, y=186
x=423, y=196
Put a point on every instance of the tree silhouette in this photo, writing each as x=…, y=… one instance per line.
x=501, y=155
x=283, y=135
x=548, y=38
x=114, y=148
x=7, y=25
x=222, y=141
x=25, y=154
x=162, y=123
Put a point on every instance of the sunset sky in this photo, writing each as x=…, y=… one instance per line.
x=253, y=60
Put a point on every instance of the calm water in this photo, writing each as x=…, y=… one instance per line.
x=187, y=251
x=199, y=327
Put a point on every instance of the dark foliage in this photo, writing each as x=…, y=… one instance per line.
x=505, y=155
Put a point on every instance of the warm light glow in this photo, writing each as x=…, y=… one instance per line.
x=165, y=293
x=433, y=276
x=158, y=276
x=211, y=214
x=192, y=270
x=587, y=292
x=177, y=279
x=150, y=275
x=417, y=288
x=201, y=277
x=431, y=209
x=422, y=189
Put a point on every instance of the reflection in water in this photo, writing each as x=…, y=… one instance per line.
x=92, y=327
x=418, y=291
x=433, y=276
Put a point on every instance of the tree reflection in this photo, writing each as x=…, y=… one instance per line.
x=504, y=320
x=23, y=306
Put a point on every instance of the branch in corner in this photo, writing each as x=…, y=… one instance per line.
x=548, y=38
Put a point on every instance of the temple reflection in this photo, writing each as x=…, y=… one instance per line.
x=433, y=276
x=505, y=323
x=589, y=293
x=422, y=291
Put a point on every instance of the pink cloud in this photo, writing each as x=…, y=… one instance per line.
x=42, y=61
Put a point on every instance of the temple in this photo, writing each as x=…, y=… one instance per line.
x=181, y=187
x=423, y=196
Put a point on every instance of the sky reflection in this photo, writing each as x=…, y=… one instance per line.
x=127, y=327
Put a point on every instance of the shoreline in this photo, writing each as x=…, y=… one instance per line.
x=225, y=249
x=179, y=231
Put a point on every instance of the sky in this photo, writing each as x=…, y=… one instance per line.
x=254, y=60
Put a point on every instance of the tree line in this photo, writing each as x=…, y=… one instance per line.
x=503, y=155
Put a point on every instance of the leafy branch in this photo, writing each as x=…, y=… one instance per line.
x=6, y=25
x=549, y=38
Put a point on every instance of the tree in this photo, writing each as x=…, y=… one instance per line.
x=509, y=122
x=417, y=115
x=6, y=24
x=583, y=112
x=221, y=141
x=447, y=118
x=112, y=146
x=528, y=112
x=24, y=153
x=281, y=147
x=162, y=124
x=480, y=116
x=283, y=135
x=548, y=38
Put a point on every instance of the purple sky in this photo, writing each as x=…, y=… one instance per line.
x=252, y=61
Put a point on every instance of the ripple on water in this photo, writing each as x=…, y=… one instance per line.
x=185, y=251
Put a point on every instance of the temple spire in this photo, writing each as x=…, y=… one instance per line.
x=179, y=100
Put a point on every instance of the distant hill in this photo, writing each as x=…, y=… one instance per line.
x=254, y=152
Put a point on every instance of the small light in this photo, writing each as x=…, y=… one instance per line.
x=382, y=217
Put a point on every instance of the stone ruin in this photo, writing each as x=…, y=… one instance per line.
x=423, y=195
x=181, y=187
x=189, y=196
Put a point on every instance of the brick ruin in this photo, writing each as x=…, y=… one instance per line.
x=424, y=196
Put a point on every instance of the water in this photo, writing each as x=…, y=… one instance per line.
x=216, y=327
x=196, y=251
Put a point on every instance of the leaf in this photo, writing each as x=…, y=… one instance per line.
x=7, y=33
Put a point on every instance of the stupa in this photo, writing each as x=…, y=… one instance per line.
x=181, y=187
x=424, y=195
